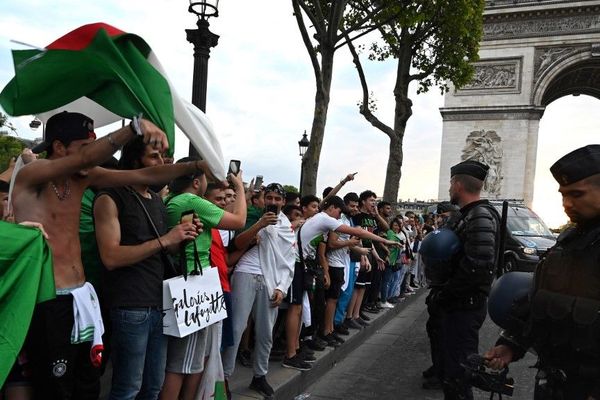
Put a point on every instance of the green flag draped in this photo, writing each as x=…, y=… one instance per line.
x=96, y=61
x=26, y=278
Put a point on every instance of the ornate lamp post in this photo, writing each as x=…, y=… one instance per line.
x=302, y=146
x=202, y=39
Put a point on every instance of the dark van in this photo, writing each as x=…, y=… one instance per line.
x=527, y=237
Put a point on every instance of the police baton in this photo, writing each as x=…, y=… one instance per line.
x=502, y=244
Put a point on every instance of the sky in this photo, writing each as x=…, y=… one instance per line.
x=261, y=95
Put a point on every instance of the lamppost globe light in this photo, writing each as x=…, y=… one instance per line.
x=303, y=144
x=204, y=9
x=35, y=123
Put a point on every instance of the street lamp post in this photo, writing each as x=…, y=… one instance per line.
x=202, y=39
x=302, y=146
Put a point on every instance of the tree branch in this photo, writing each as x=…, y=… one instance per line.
x=337, y=12
x=364, y=109
x=308, y=44
x=317, y=20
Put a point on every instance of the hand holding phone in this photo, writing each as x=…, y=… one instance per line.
x=271, y=208
x=187, y=216
x=234, y=167
x=258, y=183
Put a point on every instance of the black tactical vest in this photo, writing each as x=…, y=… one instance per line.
x=565, y=309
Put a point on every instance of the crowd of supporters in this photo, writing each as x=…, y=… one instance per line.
x=298, y=273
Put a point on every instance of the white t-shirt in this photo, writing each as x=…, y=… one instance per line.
x=313, y=232
x=249, y=262
x=340, y=258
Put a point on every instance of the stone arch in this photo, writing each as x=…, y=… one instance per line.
x=532, y=53
x=575, y=72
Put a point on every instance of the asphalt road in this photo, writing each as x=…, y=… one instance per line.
x=389, y=364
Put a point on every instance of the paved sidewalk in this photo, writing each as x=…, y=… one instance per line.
x=289, y=383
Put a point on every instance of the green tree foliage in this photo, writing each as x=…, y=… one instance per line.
x=290, y=189
x=433, y=43
x=9, y=145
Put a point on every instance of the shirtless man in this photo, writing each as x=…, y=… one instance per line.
x=49, y=191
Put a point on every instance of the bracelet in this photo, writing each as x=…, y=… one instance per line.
x=112, y=142
x=135, y=125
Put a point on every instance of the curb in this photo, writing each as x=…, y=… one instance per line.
x=289, y=383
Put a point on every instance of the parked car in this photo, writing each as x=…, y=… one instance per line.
x=527, y=237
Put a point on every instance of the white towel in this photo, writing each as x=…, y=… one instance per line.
x=88, y=326
x=306, y=310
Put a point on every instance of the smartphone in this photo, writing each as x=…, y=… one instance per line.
x=234, y=167
x=187, y=216
x=258, y=183
x=271, y=208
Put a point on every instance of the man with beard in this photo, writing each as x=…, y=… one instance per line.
x=462, y=297
x=567, y=279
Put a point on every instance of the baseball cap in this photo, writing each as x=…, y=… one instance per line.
x=66, y=127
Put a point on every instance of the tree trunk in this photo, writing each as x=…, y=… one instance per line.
x=402, y=113
x=310, y=162
x=393, y=170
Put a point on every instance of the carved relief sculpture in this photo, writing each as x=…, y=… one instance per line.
x=486, y=147
x=488, y=76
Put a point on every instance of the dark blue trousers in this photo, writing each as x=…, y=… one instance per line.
x=460, y=338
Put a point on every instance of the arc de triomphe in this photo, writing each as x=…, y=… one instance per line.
x=532, y=53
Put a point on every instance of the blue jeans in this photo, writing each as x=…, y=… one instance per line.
x=387, y=284
x=398, y=289
x=139, y=353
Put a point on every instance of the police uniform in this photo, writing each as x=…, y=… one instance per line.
x=562, y=322
x=462, y=298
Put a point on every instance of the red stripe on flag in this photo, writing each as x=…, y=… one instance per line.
x=81, y=37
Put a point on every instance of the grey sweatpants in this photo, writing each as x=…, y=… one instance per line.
x=249, y=295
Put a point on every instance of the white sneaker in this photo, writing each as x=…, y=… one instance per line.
x=386, y=305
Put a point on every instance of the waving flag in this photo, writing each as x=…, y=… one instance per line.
x=26, y=278
x=106, y=74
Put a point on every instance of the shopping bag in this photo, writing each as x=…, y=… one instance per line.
x=192, y=303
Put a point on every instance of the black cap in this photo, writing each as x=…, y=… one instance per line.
x=577, y=165
x=470, y=167
x=66, y=127
x=446, y=206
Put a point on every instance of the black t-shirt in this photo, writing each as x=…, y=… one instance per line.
x=367, y=222
x=140, y=284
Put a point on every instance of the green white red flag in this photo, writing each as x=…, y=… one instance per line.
x=106, y=74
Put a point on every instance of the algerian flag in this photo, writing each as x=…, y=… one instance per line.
x=212, y=385
x=26, y=278
x=106, y=74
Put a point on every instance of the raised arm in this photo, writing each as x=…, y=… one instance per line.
x=89, y=156
x=335, y=190
x=237, y=218
x=159, y=175
x=244, y=239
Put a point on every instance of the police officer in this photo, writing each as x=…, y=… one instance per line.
x=434, y=375
x=562, y=321
x=462, y=298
